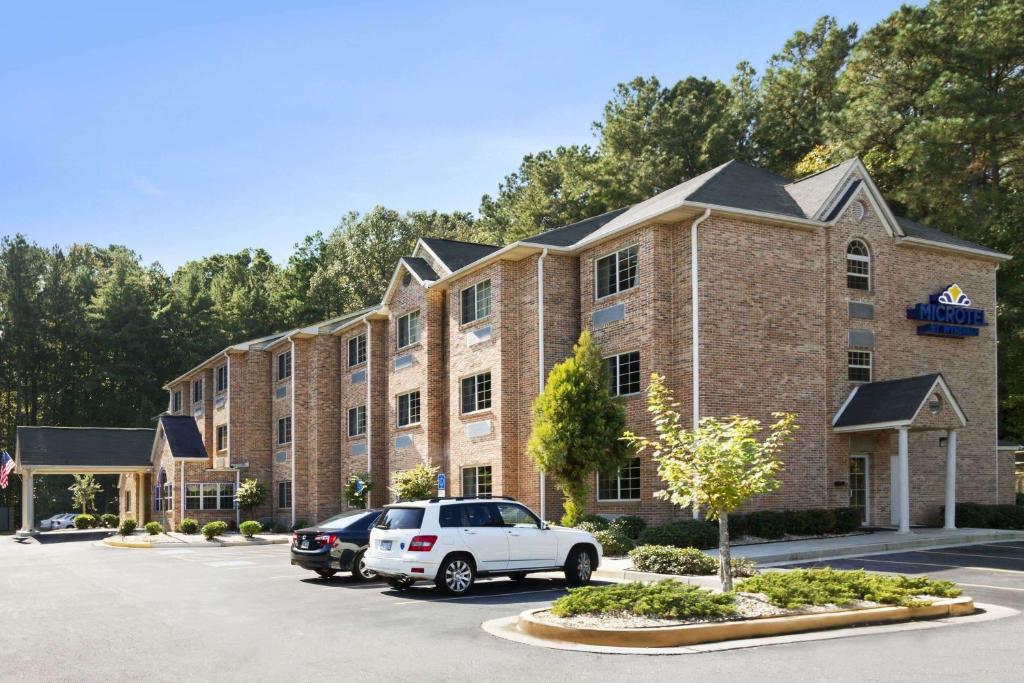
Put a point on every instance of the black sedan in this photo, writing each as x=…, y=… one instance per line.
x=336, y=545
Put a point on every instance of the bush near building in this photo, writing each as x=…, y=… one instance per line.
x=666, y=559
x=685, y=533
x=188, y=526
x=250, y=528
x=213, y=529
x=614, y=543
x=667, y=599
x=629, y=526
x=976, y=515
x=110, y=521
x=801, y=587
x=154, y=528
x=127, y=527
x=417, y=483
x=85, y=522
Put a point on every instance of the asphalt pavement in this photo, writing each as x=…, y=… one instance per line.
x=83, y=612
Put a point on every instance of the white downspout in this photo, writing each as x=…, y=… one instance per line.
x=540, y=363
x=291, y=390
x=695, y=323
x=369, y=403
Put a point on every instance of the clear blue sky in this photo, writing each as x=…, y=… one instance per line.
x=182, y=129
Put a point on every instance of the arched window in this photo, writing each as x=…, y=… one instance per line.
x=858, y=266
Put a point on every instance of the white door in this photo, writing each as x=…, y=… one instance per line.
x=860, y=490
x=484, y=534
x=894, y=490
x=529, y=545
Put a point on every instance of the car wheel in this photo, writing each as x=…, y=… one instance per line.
x=518, y=576
x=455, y=576
x=400, y=583
x=578, y=567
x=359, y=570
x=326, y=573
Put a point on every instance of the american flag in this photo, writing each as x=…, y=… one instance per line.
x=6, y=465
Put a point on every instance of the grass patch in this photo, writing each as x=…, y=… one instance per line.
x=801, y=587
x=667, y=600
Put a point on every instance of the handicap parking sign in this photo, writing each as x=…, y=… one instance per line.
x=440, y=482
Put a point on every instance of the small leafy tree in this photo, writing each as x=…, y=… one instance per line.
x=357, y=490
x=83, y=492
x=415, y=484
x=577, y=425
x=718, y=465
x=250, y=494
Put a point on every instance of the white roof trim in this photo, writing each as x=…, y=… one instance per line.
x=959, y=248
x=872, y=427
x=888, y=217
x=421, y=243
x=944, y=388
x=401, y=265
x=842, y=408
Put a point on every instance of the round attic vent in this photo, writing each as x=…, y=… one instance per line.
x=935, y=404
x=406, y=280
x=858, y=211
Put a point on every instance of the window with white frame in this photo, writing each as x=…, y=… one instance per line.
x=476, y=302
x=858, y=366
x=209, y=496
x=284, y=430
x=197, y=391
x=616, y=272
x=284, y=494
x=165, y=497
x=409, y=409
x=476, y=392
x=357, y=350
x=127, y=501
x=624, y=484
x=858, y=265
x=284, y=365
x=222, y=378
x=408, y=329
x=222, y=437
x=476, y=481
x=357, y=421
x=176, y=402
x=624, y=373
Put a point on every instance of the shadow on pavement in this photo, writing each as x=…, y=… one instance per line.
x=497, y=591
x=47, y=537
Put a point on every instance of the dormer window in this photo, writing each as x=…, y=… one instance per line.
x=858, y=266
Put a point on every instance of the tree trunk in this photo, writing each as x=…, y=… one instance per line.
x=724, y=556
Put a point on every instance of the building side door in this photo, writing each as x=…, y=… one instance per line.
x=859, y=488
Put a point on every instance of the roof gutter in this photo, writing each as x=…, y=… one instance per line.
x=942, y=246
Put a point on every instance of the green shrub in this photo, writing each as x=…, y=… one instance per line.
x=667, y=559
x=629, y=526
x=85, y=522
x=614, y=543
x=590, y=527
x=742, y=567
x=417, y=483
x=596, y=521
x=1020, y=498
x=800, y=587
x=188, y=526
x=979, y=516
x=667, y=599
x=279, y=528
x=154, y=528
x=683, y=534
x=127, y=527
x=110, y=521
x=250, y=528
x=847, y=520
x=766, y=524
x=213, y=529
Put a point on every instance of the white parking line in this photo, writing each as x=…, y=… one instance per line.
x=983, y=585
x=946, y=552
x=230, y=563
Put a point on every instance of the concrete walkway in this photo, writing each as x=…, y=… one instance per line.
x=171, y=539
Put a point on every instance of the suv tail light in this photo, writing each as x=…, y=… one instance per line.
x=295, y=538
x=326, y=539
x=422, y=544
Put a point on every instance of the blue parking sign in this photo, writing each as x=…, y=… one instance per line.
x=440, y=481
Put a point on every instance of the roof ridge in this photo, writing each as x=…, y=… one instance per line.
x=445, y=239
x=582, y=220
x=796, y=181
x=120, y=429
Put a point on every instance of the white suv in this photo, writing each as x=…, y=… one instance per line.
x=451, y=541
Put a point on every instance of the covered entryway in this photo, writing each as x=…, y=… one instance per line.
x=922, y=403
x=77, y=450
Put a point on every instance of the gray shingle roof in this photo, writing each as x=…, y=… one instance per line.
x=811, y=192
x=183, y=437
x=926, y=232
x=84, y=446
x=890, y=401
x=420, y=267
x=743, y=186
x=455, y=254
x=568, y=235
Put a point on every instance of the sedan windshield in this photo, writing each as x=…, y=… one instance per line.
x=350, y=520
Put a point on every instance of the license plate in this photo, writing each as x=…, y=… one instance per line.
x=304, y=544
x=385, y=545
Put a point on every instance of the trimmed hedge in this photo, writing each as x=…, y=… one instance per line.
x=773, y=524
x=85, y=522
x=686, y=533
x=213, y=529
x=629, y=526
x=109, y=520
x=127, y=527
x=154, y=528
x=665, y=559
x=614, y=543
x=250, y=528
x=979, y=516
x=188, y=526
x=668, y=599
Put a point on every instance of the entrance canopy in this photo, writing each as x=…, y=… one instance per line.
x=897, y=403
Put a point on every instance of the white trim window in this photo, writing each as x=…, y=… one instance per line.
x=176, y=402
x=284, y=494
x=165, y=497
x=357, y=350
x=624, y=373
x=616, y=272
x=409, y=409
x=408, y=329
x=221, y=375
x=357, y=421
x=476, y=481
x=476, y=302
x=284, y=365
x=197, y=391
x=858, y=366
x=284, y=430
x=476, y=392
x=858, y=266
x=623, y=485
x=222, y=438
x=209, y=496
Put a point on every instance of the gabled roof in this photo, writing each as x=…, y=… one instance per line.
x=812, y=191
x=455, y=254
x=568, y=235
x=83, y=447
x=183, y=437
x=420, y=268
x=893, y=403
x=917, y=230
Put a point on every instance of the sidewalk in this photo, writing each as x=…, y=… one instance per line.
x=814, y=549
x=174, y=539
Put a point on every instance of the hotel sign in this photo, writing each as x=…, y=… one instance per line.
x=948, y=313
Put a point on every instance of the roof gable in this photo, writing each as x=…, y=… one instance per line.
x=183, y=438
x=892, y=403
x=455, y=255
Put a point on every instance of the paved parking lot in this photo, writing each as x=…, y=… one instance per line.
x=82, y=612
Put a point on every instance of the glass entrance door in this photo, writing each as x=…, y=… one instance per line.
x=859, y=485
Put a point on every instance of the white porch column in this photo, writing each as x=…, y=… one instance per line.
x=950, y=522
x=904, y=465
x=27, y=503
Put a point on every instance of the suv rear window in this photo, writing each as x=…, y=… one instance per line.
x=400, y=518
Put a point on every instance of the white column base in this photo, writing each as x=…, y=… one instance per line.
x=950, y=515
x=904, y=464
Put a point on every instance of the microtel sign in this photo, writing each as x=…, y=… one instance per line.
x=948, y=314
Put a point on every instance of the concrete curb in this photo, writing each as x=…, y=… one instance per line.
x=696, y=634
x=886, y=547
x=126, y=544
x=213, y=543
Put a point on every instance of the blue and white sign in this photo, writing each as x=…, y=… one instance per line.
x=948, y=313
x=360, y=485
x=440, y=483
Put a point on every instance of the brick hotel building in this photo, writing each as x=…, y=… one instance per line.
x=750, y=292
